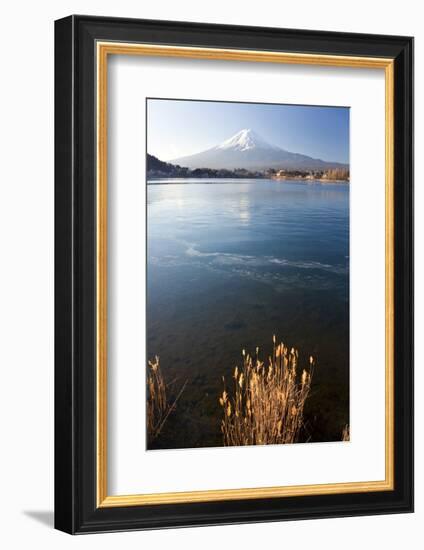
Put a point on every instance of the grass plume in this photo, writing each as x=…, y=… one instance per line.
x=266, y=406
x=159, y=407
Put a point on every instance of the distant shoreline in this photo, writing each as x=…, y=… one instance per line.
x=310, y=179
x=195, y=180
x=158, y=169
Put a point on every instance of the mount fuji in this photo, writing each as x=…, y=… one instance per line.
x=248, y=150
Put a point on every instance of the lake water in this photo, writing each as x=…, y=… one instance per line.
x=232, y=262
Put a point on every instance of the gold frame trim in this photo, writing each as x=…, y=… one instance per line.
x=104, y=49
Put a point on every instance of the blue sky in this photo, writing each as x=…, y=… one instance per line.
x=178, y=128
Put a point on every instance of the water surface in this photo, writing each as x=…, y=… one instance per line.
x=232, y=262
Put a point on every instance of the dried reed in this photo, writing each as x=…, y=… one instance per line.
x=346, y=433
x=158, y=406
x=268, y=401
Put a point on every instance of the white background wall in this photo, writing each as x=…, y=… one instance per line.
x=26, y=273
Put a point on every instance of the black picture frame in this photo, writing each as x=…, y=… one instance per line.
x=76, y=509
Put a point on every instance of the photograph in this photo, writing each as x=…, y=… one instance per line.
x=247, y=298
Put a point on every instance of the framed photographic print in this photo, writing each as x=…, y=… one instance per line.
x=233, y=272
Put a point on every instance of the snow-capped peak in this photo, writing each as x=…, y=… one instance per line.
x=245, y=140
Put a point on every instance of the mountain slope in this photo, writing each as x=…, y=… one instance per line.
x=154, y=164
x=247, y=149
